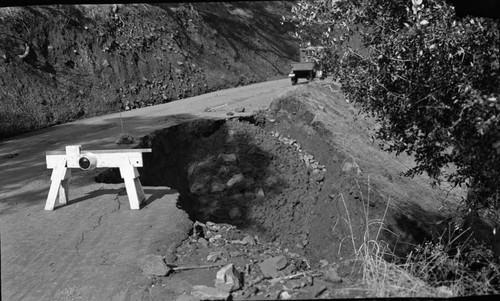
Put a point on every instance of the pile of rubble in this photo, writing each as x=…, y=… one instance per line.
x=249, y=268
x=244, y=175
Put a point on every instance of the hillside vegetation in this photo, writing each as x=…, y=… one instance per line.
x=61, y=63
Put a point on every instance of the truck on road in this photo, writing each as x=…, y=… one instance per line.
x=307, y=67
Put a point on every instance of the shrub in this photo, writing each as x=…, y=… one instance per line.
x=466, y=268
x=430, y=78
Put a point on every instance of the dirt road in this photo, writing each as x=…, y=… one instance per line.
x=89, y=249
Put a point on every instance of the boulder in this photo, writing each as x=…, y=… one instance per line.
x=318, y=175
x=260, y=194
x=228, y=279
x=228, y=157
x=153, y=265
x=248, y=239
x=332, y=276
x=235, y=179
x=271, y=266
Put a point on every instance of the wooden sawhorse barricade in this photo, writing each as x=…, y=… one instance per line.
x=127, y=160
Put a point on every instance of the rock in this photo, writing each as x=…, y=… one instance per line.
x=230, y=136
x=239, y=110
x=284, y=295
x=213, y=256
x=352, y=166
x=228, y=157
x=234, y=213
x=125, y=139
x=239, y=242
x=332, y=276
x=275, y=106
x=308, y=158
x=309, y=280
x=217, y=187
x=271, y=181
x=229, y=113
x=191, y=168
x=237, y=197
x=214, y=238
x=209, y=234
x=203, y=242
x=314, y=164
x=323, y=263
x=235, y=179
x=253, y=290
x=318, y=175
x=199, y=229
x=209, y=293
x=248, y=239
x=271, y=266
x=228, y=279
x=260, y=194
x=295, y=283
x=290, y=269
x=153, y=265
x=197, y=188
x=212, y=226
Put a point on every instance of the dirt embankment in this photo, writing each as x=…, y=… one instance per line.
x=303, y=174
x=61, y=63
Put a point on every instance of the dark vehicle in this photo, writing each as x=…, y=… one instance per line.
x=307, y=67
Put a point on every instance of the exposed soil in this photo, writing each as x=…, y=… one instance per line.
x=285, y=177
x=238, y=173
x=61, y=63
x=281, y=175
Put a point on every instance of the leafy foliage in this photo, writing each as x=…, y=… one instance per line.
x=431, y=79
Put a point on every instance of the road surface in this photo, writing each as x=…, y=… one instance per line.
x=89, y=249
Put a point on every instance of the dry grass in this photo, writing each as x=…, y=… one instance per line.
x=380, y=277
x=432, y=270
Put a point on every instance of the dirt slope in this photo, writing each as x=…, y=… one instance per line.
x=60, y=63
x=305, y=174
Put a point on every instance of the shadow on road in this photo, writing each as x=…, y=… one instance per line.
x=91, y=195
x=22, y=158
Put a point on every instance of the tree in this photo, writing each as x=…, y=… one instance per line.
x=430, y=78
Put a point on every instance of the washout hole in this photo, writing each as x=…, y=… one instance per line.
x=231, y=171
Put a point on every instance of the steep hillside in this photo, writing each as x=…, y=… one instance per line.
x=61, y=63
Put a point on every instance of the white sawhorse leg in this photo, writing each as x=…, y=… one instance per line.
x=59, y=188
x=130, y=175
